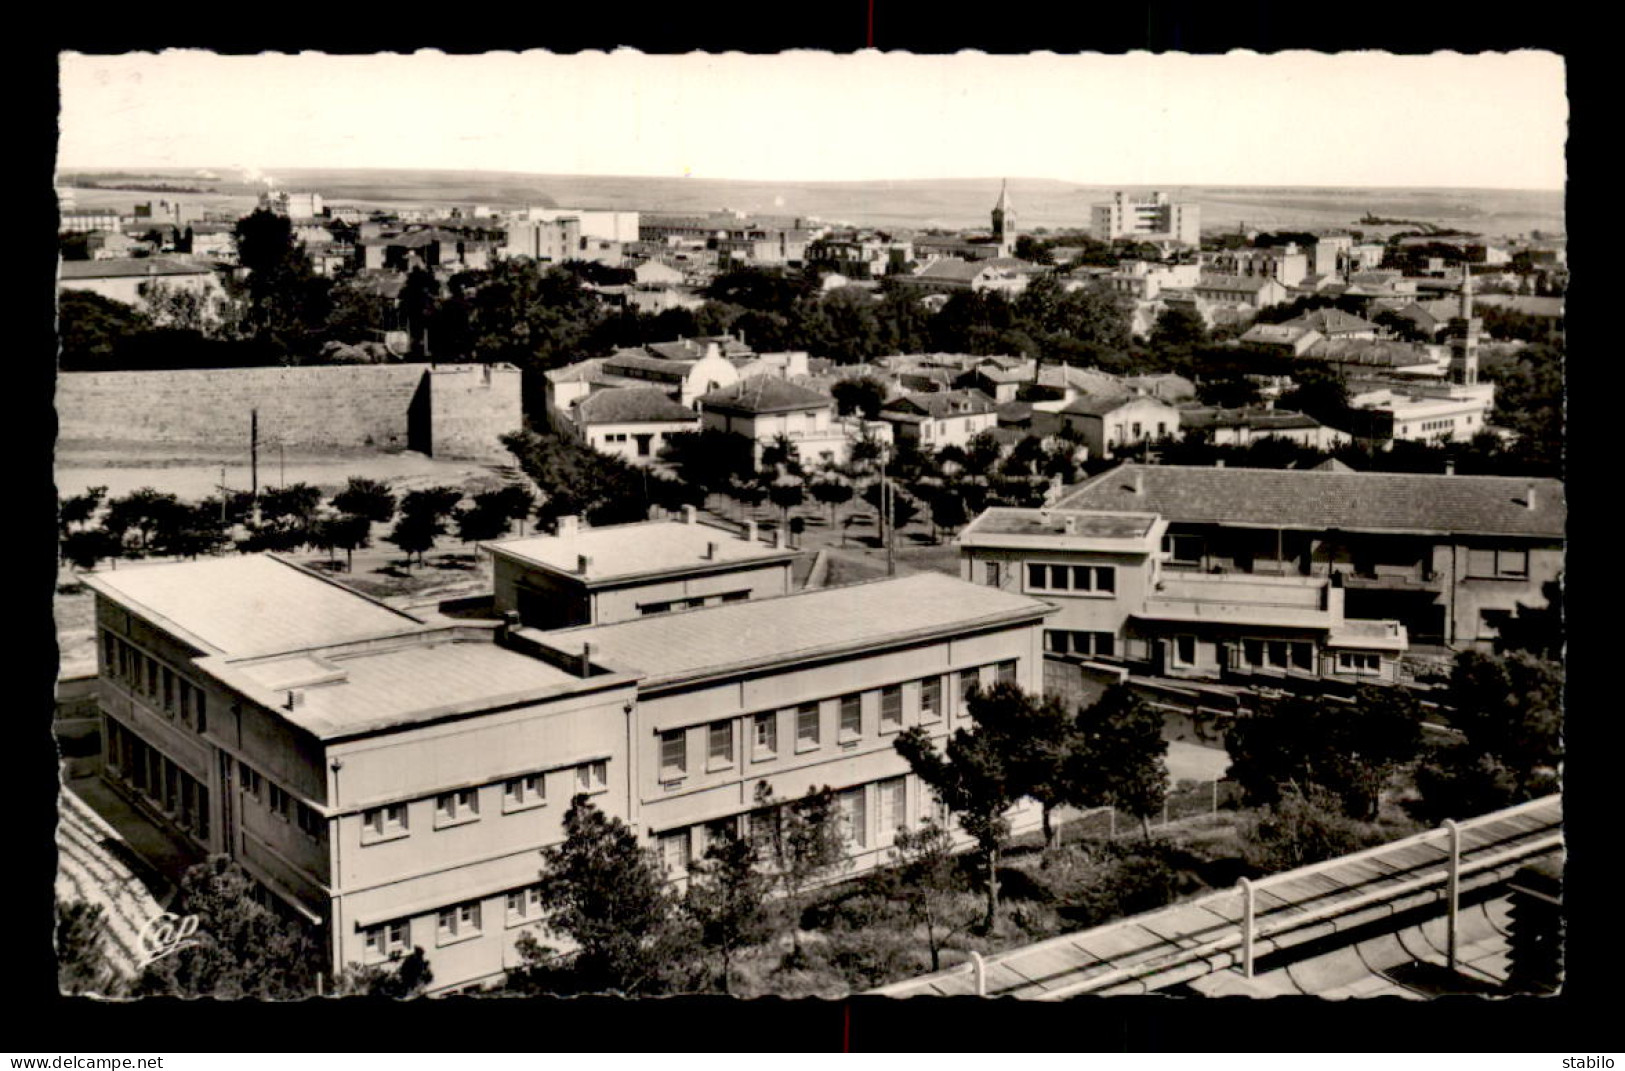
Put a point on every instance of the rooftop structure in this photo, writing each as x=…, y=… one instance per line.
x=806, y=626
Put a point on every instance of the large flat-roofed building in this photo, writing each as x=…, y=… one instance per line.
x=805, y=691
x=1153, y=218
x=389, y=781
x=596, y=576
x=392, y=782
x=1445, y=556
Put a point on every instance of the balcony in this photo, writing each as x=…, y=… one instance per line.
x=1393, y=578
x=1246, y=599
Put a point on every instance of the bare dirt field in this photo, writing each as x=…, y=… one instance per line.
x=194, y=472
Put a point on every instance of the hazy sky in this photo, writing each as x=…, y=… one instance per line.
x=1297, y=118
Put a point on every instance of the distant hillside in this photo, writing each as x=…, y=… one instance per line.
x=952, y=203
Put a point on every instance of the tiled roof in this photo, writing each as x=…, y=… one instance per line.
x=1099, y=405
x=632, y=405
x=737, y=637
x=1358, y=501
x=942, y=404
x=1241, y=284
x=764, y=394
x=952, y=268
x=1278, y=334
x=644, y=367
x=1524, y=303
x=1330, y=321
x=1262, y=419
x=127, y=267
x=580, y=372
x=250, y=604
x=619, y=551
x=1385, y=353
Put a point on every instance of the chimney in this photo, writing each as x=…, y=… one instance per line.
x=1072, y=524
x=568, y=526
x=690, y=514
x=778, y=538
x=1529, y=498
x=295, y=700
x=586, y=660
x=1139, y=483
x=583, y=563
x=710, y=552
x=1449, y=466
x=750, y=532
x=510, y=622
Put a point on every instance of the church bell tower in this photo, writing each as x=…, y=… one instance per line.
x=1004, y=222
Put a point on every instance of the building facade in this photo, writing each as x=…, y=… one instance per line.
x=1148, y=219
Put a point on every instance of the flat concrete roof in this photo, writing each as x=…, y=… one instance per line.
x=669, y=648
x=646, y=548
x=349, y=693
x=1003, y=520
x=247, y=605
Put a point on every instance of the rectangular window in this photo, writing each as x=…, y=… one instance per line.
x=250, y=779
x=524, y=905
x=893, y=801
x=891, y=708
x=673, y=755
x=519, y=793
x=1358, y=662
x=168, y=677
x=459, y=922
x=381, y=822
x=851, y=717
x=1275, y=654
x=970, y=680
x=807, y=728
x=385, y=940
x=592, y=777
x=719, y=751
x=854, y=817
x=1006, y=672
x=1303, y=656
x=200, y=710
x=279, y=803
x=990, y=574
x=674, y=849
x=765, y=733
x=1085, y=579
x=1184, y=650
x=1253, y=652
x=455, y=808
x=310, y=823
x=931, y=699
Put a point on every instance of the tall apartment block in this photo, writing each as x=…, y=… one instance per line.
x=1150, y=219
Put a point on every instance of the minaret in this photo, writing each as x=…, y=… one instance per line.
x=1004, y=221
x=1464, y=351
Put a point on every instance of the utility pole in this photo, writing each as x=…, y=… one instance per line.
x=254, y=462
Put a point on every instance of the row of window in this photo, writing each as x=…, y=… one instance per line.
x=1066, y=641
x=692, y=604
x=148, y=677
x=678, y=848
x=764, y=726
x=454, y=923
x=165, y=785
x=461, y=807
x=279, y=802
x=1077, y=579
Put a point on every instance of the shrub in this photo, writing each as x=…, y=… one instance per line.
x=1300, y=829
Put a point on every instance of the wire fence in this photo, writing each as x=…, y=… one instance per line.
x=1186, y=799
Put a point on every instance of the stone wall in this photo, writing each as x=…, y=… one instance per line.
x=454, y=411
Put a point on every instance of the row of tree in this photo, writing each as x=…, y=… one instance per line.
x=93, y=527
